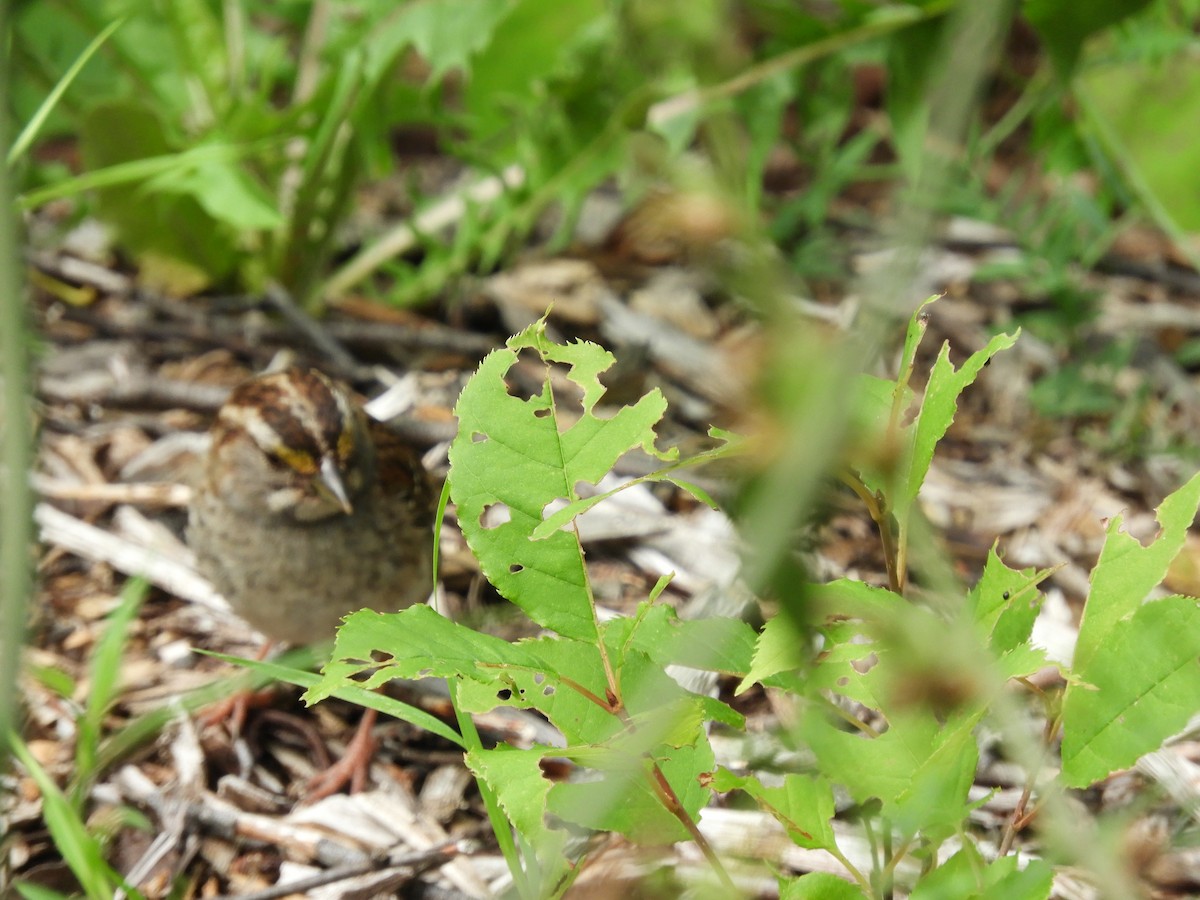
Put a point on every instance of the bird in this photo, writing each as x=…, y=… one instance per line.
x=307, y=510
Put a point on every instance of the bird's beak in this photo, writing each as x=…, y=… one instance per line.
x=333, y=483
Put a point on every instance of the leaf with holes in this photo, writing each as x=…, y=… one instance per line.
x=521, y=786
x=803, y=804
x=1135, y=658
x=623, y=791
x=513, y=457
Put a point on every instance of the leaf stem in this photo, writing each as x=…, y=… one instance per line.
x=670, y=800
x=893, y=860
x=668, y=109
x=587, y=694
x=863, y=881
x=1018, y=819
x=877, y=509
x=499, y=822
x=876, y=870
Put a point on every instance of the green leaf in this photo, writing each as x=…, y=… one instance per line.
x=803, y=805
x=29, y=133
x=199, y=46
x=446, y=34
x=350, y=691
x=128, y=143
x=968, y=876
x=919, y=769
x=874, y=441
x=1127, y=572
x=79, y=850
x=1024, y=660
x=225, y=192
x=918, y=323
x=31, y=891
x=780, y=648
x=913, y=53
x=103, y=675
x=783, y=647
x=1137, y=661
x=550, y=676
x=56, y=680
x=418, y=642
x=937, y=412
x=1148, y=109
x=716, y=645
x=516, y=456
x=422, y=643
x=1140, y=689
x=1005, y=603
x=762, y=111
x=819, y=886
x=935, y=803
x=529, y=45
x=563, y=679
x=730, y=446
x=1065, y=26
x=696, y=491
x=621, y=795
x=523, y=790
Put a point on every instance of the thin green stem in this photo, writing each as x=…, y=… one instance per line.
x=852, y=720
x=876, y=869
x=877, y=510
x=34, y=125
x=499, y=822
x=893, y=859
x=668, y=797
x=793, y=59
x=16, y=447
x=863, y=881
x=1017, y=820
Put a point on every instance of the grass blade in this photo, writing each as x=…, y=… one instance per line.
x=34, y=125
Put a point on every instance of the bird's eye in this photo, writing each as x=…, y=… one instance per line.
x=276, y=463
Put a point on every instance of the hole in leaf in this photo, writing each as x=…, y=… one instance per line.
x=478, y=437
x=541, y=413
x=548, y=691
x=504, y=694
x=552, y=507
x=494, y=515
x=425, y=673
x=538, y=677
x=526, y=379
x=866, y=664
x=515, y=569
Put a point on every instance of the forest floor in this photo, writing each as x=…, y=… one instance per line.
x=1045, y=450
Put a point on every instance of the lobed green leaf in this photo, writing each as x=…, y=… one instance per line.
x=968, y=876
x=938, y=407
x=516, y=457
x=803, y=804
x=1005, y=603
x=1136, y=661
x=819, y=886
